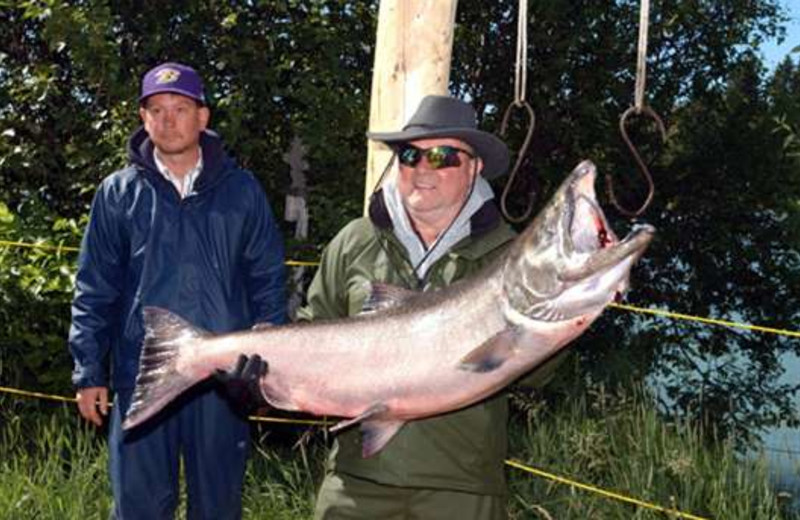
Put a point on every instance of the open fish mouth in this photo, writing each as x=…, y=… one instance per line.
x=592, y=245
x=595, y=263
x=574, y=264
x=589, y=228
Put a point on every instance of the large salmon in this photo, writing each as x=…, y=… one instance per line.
x=419, y=354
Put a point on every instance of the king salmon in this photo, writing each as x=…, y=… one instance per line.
x=416, y=355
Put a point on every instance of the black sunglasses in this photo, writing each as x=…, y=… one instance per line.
x=442, y=156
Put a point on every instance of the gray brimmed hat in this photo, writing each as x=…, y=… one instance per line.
x=444, y=116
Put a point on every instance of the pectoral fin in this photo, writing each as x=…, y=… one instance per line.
x=375, y=435
x=492, y=353
x=374, y=412
x=375, y=431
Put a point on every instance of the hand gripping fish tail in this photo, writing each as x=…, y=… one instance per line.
x=419, y=355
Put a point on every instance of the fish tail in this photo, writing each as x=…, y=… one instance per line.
x=159, y=381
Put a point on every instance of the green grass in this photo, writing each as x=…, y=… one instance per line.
x=52, y=466
x=620, y=444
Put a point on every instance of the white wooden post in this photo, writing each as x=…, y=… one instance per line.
x=296, y=211
x=413, y=51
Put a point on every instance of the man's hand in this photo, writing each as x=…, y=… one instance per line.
x=93, y=403
x=243, y=382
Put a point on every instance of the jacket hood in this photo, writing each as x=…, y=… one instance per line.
x=216, y=161
x=486, y=218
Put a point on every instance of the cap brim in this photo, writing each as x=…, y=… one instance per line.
x=492, y=151
x=167, y=90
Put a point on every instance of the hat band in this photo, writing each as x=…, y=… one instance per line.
x=437, y=128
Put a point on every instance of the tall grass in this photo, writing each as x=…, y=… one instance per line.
x=283, y=475
x=619, y=443
x=52, y=466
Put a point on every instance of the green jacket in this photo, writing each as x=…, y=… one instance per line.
x=462, y=450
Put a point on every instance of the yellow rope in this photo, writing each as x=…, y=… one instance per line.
x=512, y=463
x=603, y=492
x=301, y=263
x=657, y=312
x=38, y=395
x=48, y=247
x=257, y=418
x=309, y=422
x=711, y=321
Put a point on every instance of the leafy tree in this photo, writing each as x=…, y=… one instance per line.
x=69, y=75
x=726, y=188
x=273, y=69
x=727, y=179
x=35, y=291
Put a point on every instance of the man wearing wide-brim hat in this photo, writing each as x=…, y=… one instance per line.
x=430, y=224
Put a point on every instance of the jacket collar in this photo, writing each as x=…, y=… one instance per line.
x=215, y=160
x=487, y=224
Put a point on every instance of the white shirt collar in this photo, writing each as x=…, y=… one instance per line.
x=185, y=185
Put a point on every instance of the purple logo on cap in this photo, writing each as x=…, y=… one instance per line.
x=167, y=76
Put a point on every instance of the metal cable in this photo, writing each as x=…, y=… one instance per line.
x=641, y=60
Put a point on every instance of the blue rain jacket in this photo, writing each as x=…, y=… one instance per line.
x=216, y=258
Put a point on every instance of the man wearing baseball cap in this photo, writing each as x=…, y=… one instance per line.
x=184, y=228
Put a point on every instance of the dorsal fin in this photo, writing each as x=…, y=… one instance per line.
x=384, y=296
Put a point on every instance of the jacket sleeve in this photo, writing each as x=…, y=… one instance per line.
x=264, y=262
x=97, y=290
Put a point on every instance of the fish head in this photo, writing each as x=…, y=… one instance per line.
x=569, y=263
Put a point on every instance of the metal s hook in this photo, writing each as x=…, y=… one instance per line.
x=520, y=155
x=638, y=108
x=520, y=86
x=643, y=169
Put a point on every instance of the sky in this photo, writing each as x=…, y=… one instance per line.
x=774, y=53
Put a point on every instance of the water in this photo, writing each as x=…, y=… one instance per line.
x=782, y=449
x=782, y=445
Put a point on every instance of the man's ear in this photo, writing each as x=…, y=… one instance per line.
x=480, y=165
x=205, y=117
x=141, y=112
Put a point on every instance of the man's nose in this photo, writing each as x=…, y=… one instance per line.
x=424, y=166
x=169, y=117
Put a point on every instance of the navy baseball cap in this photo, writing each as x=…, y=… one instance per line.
x=174, y=78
